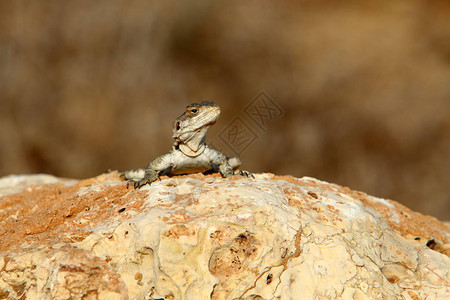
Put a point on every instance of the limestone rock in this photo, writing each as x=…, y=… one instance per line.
x=205, y=237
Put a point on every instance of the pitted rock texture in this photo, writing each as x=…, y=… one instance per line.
x=205, y=237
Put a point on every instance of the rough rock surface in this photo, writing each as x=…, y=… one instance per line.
x=204, y=237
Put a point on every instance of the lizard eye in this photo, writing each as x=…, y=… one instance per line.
x=194, y=110
x=177, y=125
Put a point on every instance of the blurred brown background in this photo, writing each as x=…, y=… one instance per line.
x=87, y=86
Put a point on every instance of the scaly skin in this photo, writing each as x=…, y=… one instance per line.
x=189, y=154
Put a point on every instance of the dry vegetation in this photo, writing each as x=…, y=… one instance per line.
x=87, y=86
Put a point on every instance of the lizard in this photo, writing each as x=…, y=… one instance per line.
x=189, y=153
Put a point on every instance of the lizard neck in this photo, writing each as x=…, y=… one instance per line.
x=186, y=150
x=192, y=142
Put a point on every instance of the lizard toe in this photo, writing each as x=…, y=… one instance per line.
x=245, y=174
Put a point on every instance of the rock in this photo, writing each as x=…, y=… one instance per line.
x=205, y=237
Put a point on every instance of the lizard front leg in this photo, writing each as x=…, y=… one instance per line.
x=226, y=166
x=141, y=177
x=219, y=161
x=150, y=176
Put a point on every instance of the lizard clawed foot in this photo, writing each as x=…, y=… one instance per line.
x=138, y=184
x=245, y=174
x=149, y=177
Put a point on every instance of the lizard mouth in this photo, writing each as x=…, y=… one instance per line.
x=178, y=126
x=211, y=123
x=203, y=126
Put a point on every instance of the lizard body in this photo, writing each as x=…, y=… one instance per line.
x=189, y=154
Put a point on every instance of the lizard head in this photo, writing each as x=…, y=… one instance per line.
x=190, y=128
